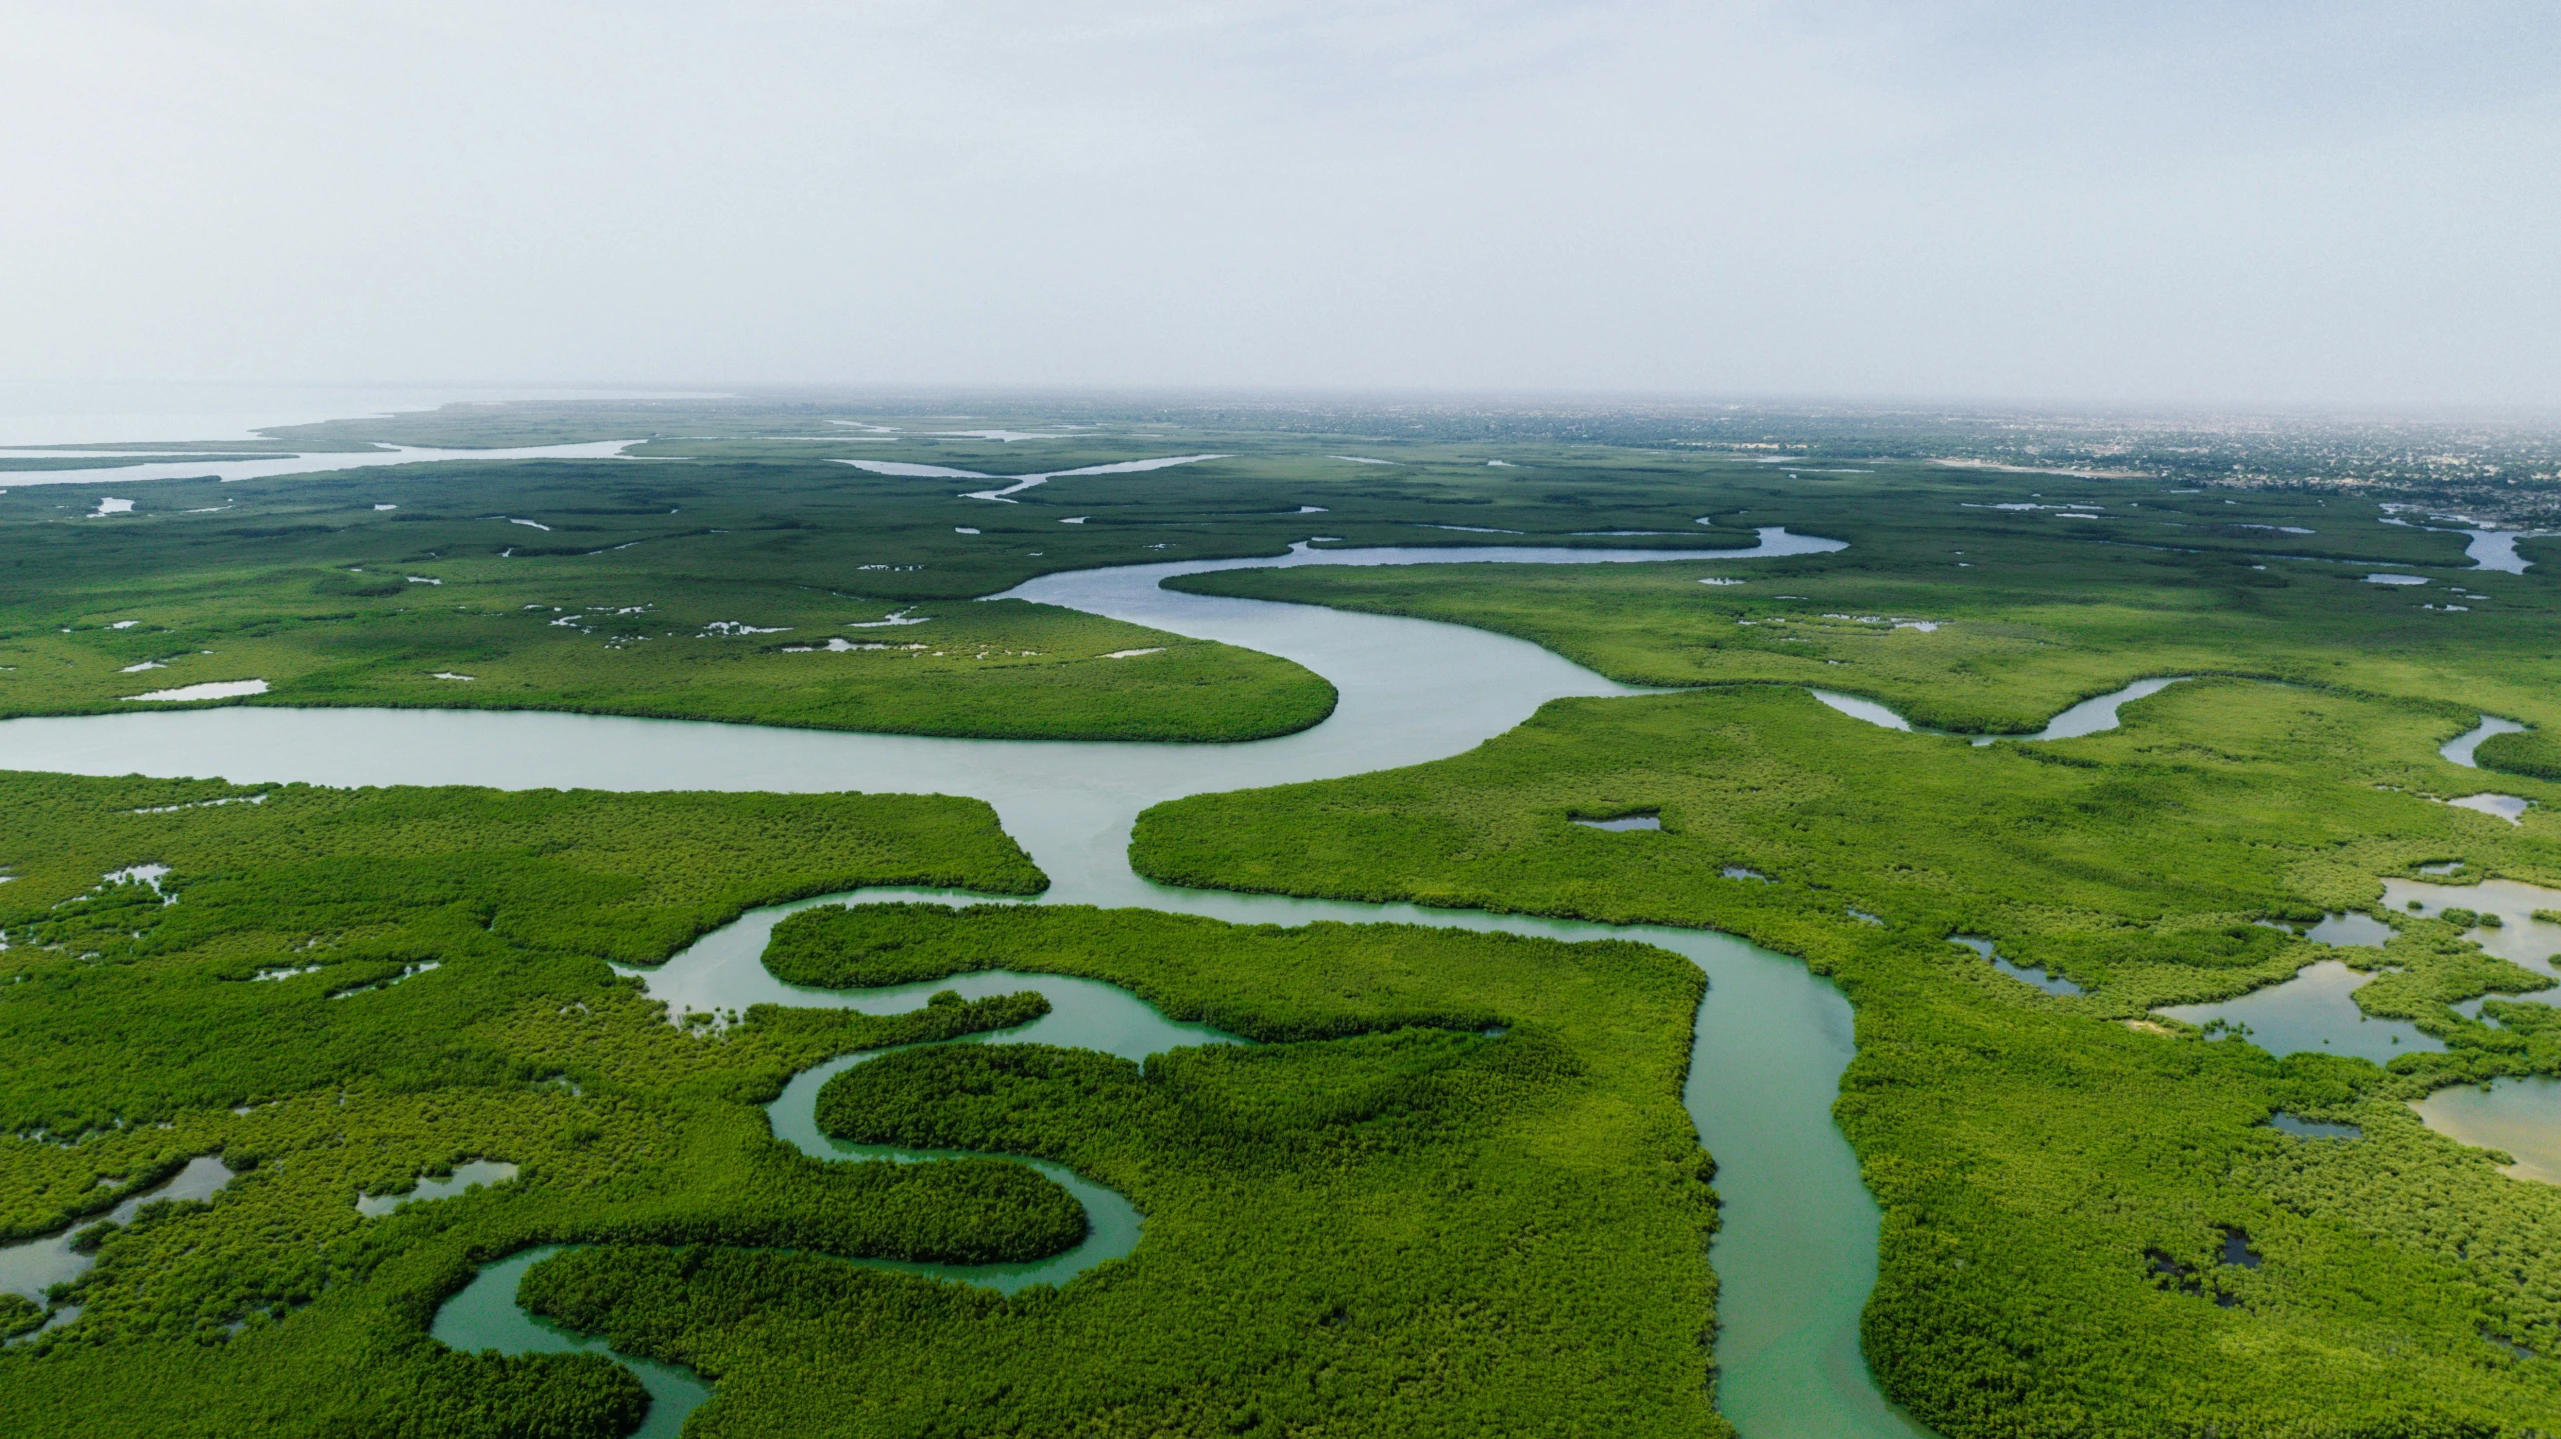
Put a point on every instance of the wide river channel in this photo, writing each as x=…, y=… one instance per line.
x=1796, y=1255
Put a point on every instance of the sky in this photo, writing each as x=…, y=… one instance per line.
x=2335, y=203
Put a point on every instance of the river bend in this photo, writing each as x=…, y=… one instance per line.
x=1796, y=1253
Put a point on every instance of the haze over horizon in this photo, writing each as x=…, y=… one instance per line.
x=2341, y=205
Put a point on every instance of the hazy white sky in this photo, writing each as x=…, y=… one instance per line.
x=2156, y=201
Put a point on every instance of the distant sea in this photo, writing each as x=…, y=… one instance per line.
x=54, y=412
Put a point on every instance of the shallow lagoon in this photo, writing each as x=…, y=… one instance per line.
x=2314, y=1010
x=2521, y=1116
x=2519, y=937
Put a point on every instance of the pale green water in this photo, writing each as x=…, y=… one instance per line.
x=2521, y=1116
x=1796, y=1255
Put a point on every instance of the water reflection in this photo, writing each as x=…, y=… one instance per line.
x=1647, y=820
x=2350, y=928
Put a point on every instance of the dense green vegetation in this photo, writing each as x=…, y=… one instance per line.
x=138, y=1034
x=307, y=584
x=2032, y=610
x=1387, y=1219
x=2533, y=752
x=2034, y=1152
x=679, y=581
x=706, y=578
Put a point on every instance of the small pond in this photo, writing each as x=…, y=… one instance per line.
x=2050, y=983
x=464, y=1177
x=2314, y=1010
x=2350, y=928
x=2508, y=807
x=2313, y=1128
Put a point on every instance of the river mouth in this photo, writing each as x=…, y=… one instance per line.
x=1795, y=1254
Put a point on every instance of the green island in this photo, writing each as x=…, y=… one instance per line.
x=1447, y=1186
x=1452, y=1189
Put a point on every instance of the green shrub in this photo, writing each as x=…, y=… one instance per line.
x=2534, y=753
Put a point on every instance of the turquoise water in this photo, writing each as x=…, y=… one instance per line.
x=485, y=1316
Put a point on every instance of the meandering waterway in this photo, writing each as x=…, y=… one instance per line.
x=1796, y=1255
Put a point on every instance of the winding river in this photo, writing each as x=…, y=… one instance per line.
x=1796, y=1254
